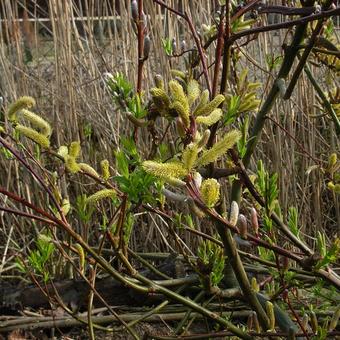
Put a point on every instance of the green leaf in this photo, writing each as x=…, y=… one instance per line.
x=293, y=220
x=122, y=163
x=242, y=143
x=167, y=46
x=331, y=255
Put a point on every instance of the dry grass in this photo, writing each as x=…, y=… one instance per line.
x=65, y=76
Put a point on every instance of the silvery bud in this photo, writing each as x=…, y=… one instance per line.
x=147, y=46
x=234, y=212
x=134, y=10
x=174, y=45
x=183, y=45
x=159, y=81
x=243, y=226
x=145, y=20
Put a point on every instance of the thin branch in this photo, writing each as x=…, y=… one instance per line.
x=286, y=24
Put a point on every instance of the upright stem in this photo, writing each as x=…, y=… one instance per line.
x=225, y=70
x=240, y=273
x=218, y=53
x=324, y=99
x=140, y=35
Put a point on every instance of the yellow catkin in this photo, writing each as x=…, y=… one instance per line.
x=193, y=90
x=209, y=107
x=178, y=73
x=167, y=170
x=24, y=102
x=81, y=254
x=160, y=98
x=34, y=135
x=210, y=192
x=71, y=164
x=178, y=95
x=332, y=160
x=189, y=156
x=175, y=182
x=159, y=81
x=211, y=119
x=74, y=149
x=65, y=206
x=219, y=149
x=203, y=101
x=37, y=121
x=99, y=195
x=88, y=169
x=204, y=139
x=254, y=285
x=182, y=112
x=105, y=166
x=63, y=150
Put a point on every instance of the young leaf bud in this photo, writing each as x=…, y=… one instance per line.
x=256, y=323
x=270, y=314
x=254, y=285
x=314, y=322
x=304, y=321
x=335, y=320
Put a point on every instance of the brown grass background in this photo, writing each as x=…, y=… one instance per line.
x=65, y=75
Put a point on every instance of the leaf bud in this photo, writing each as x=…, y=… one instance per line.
x=254, y=221
x=243, y=226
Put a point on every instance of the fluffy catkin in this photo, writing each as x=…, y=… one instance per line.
x=219, y=149
x=34, y=135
